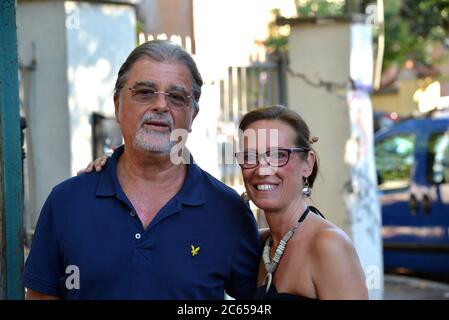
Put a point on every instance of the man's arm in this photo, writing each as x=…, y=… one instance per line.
x=43, y=267
x=245, y=264
x=34, y=295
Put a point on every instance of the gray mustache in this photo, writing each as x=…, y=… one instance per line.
x=156, y=117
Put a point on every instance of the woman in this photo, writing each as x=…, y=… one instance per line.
x=304, y=256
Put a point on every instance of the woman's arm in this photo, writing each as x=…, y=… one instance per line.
x=98, y=164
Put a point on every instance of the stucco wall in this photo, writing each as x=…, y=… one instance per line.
x=41, y=28
x=78, y=48
x=346, y=188
x=314, y=51
x=97, y=45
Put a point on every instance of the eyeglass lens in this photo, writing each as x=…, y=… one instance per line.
x=147, y=95
x=273, y=158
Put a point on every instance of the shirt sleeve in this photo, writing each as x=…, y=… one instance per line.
x=243, y=280
x=43, y=267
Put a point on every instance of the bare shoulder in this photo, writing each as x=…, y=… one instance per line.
x=337, y=272
x=331, y=240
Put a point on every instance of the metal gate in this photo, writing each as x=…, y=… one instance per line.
x=241, y=90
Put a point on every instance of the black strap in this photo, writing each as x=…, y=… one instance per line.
x=316, y=211
x=306, y=212
x=304, y=215
x=300, y=220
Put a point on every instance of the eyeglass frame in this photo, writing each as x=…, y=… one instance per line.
x=164, y=93
x=259, y=155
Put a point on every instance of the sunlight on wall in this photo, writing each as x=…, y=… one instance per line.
x=428, y=98
x=226, y=32
x=99, y=38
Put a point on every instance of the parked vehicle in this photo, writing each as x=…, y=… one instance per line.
x=412, y=161
x=383, y=120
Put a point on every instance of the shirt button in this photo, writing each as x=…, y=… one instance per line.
x=132, y=213
x=137, y=236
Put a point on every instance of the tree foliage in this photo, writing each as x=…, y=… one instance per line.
x=278, y=41
x=412, y=27
x=319, y=8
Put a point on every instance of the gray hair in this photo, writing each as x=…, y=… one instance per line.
x=161, y=50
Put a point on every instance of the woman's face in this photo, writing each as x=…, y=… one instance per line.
x=274, y=188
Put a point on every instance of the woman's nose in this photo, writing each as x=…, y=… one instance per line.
x=264, y=169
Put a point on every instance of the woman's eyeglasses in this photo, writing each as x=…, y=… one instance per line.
x=278, y=157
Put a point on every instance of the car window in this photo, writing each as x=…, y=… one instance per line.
x=438, y=155
x=395, y=160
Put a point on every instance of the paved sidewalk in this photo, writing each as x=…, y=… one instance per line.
x=408, y=288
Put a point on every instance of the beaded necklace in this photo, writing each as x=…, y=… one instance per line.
x=270, y=266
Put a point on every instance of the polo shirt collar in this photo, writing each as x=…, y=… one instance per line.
x=191, y=193
x=109, y=184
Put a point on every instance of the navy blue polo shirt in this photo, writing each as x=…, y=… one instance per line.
x=90, y=244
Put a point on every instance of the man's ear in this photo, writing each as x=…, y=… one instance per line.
x=195, y=113
x=117, y=109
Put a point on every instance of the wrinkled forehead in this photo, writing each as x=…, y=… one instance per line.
x=267, y=134
x=160, y=73
x=259, y=139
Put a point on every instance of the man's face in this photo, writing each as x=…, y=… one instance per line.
x=147, y=123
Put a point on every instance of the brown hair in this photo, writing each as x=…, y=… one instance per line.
x=293, y=119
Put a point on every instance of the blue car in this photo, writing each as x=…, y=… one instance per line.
x=412, y=163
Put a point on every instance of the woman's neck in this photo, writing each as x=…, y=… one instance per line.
x=281, y=221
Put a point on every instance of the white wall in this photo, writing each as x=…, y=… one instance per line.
x=78, y=48
x=226, y=31
x=99, y=38
x=201, y=141
x=42, y=24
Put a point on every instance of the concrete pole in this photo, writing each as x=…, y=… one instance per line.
x=324, y=55
x=11, y=183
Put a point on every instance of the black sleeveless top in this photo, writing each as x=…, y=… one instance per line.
x=272, y=293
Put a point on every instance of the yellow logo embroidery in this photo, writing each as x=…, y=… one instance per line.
x=194, y=250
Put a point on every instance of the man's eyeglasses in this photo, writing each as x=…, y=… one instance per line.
x=278, y=157
x=174, y=99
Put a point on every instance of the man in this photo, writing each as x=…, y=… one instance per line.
x=146, y=227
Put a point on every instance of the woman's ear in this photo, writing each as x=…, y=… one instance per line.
x=309, y=163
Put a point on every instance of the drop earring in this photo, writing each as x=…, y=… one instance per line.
x=306, y=190
x=245, y=198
